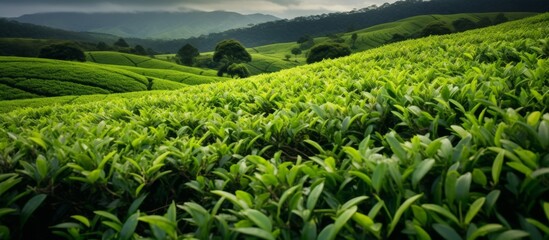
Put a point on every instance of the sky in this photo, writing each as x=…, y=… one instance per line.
x=280, y=8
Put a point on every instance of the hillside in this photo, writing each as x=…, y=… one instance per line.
x=32, y=77
x=322, y=25
x=124, y=59
x=152, y=25
x=441, y=137
x=271, y=58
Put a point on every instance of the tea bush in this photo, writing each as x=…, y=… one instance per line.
x=442, y=137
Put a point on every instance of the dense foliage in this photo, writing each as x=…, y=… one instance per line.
x=186, y=54
x=230, y=53
x=327, y=51
x=63, y=52
x=443, y=137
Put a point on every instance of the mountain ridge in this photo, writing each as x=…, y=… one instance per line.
x=147, y=25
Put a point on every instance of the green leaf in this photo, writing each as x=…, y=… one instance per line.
x=539, y=172
x=260, y=219
x=543, y=133
x=446, y=232
x=421, y=170
x=82, y=219
x=9, y=183
x=256, y=232
x=353, y=153
x=159, y=221
x=497, y=166
x=486, y=229
x=479, y=177
x=379, y=176
x=395, y=145
x=326, y=232
x=330, y=231
x=67, y=225
x=4, y=211
x=363, y=220
x=314, y=196
x=539, y=225
x=136, y=203
x=108, y=215
x=450, y=186
x=353, y=202
x=442, y=211
x=421, y=233
x=512, y=234
x=362, y=176
x=289, y=192
x=420, y=214
x=463, y=185
x=30, y=207
x=40, y=142
x=315, y=145
x=129, y=226
x=231, y=197
x=520, y=167
x=42, y=166
x=474, y=209
x=400, y=211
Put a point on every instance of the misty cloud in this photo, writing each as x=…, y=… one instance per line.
x=281, y=8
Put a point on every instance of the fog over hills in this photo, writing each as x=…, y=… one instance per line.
x=151, y=25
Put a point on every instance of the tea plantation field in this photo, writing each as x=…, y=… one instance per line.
x=124, y=59
x=444, y=137
x=32, y=77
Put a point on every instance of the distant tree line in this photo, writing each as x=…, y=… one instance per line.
x=325, y=24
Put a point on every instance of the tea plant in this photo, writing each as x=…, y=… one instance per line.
x=439, y=138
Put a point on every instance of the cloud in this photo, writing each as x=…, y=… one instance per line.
x=281, y=8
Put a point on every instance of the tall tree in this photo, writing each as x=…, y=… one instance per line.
x=121, y=43
x=228, y=52
x=187, y=54
x=296, y=51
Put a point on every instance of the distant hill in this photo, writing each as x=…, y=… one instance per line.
x=322, y=25
x=14, y=29
x=149, y=25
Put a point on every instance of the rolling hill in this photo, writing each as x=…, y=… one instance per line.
x=271, y=58
x=33, y=77
x=439, y=137
x=124, y=59
x=334, y=23
x=147, y=25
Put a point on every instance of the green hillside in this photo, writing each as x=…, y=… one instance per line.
x=29, y=47
x=33, y=77
x=272, y=57
x=124, y=59
x=445, y=137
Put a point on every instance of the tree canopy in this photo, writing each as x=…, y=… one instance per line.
x=327, y=51
x=121, y=43
x=63, y=51
x=187, y=54
x=229, y=52
x=232, y=51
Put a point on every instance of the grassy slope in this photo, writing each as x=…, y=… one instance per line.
x=33, y=77
x=124, y=59
x=454, y=102
x=271, y=58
